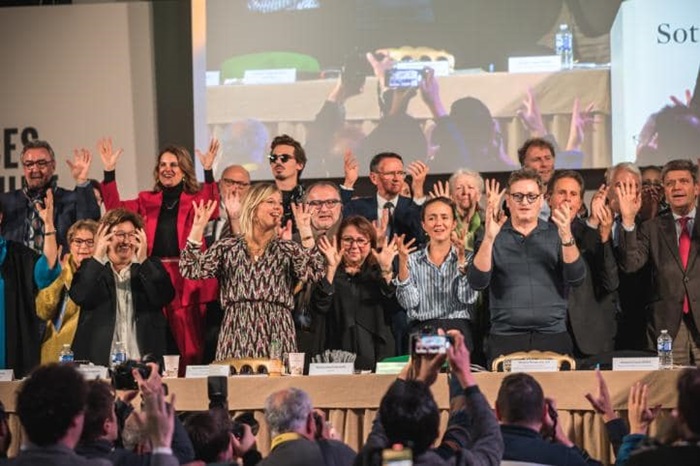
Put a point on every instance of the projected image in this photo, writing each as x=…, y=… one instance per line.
x=447, y=82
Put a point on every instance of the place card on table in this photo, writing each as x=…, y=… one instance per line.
x=534, y=365
x=199, y=372
x=7, y=375
x=91, y=372
x=538, y=64
x=391, y=368
x=636, y=364
x=332, y=368
x=277, y=76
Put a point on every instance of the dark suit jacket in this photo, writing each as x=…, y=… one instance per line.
x=54, y=455
x=301, y=452
x=407, y=220
x=524, y=444
x=94, y=290
x=655, y=242
x=592, y=306
x=69, y=207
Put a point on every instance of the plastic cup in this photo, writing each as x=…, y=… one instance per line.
x=172, y=365
x=296, y=363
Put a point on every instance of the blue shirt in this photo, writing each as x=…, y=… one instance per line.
x=435, y=292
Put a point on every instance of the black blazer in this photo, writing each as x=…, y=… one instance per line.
x=94, y=290
x=592, y=306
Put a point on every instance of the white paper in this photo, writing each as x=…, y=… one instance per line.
x=7, y=375
x=278, y=76
x=93, y=372
x=636, y=364
x=534, y=365
x=332, y=368
x=198, y=372
x=389, y=367
x=539, y=64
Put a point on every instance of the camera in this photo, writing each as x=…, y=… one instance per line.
x=430, y=343
x=237, y=423
x=403, y=78
x=122, y=377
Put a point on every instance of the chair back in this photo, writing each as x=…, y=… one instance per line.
x=564, y=361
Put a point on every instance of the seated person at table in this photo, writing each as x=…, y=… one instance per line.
x=409, y=415
x=290, y=417
x=525, y=419
x=121, y=293
x=432, y=282
x=528, y=265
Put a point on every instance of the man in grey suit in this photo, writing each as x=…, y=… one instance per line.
x=669, y=243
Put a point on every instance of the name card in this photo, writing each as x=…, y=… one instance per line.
x=7, y=375
x=332, y=368
x=539, y=64
x=93, y=372
x=636, y=364
x=278, y=76
x=390, y=368
x=199, y=372
x=440, y=67
x=534, y=365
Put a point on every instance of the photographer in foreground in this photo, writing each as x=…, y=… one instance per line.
x=409, y=415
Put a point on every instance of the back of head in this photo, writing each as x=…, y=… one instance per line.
x=689, y=399
x=678, y=133
x=520, y=400
x=474, y=120
x=98, y=409
x=410, y=415
x=287, y=411
x=209, y=434
x=48, y=402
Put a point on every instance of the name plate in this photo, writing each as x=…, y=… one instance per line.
x=539, y=64
x=636, y=364
x=278, y=76
x=534, y=365
x=93, y=372
x=7, y=375
x=331, y=368
x=390, y=368
x=199, y=372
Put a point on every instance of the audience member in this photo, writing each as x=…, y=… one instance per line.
x=408, y=415
x=22, y=222
x=526, y=416
x=287, y=162
x=355, y=299
x=528, y=265
x=215, y=444
x=22, y=273
x=432, y=283
x=168, y=214
x=5, y=433
x=53, y=304
x=592, y=305
x=121, y=292
x=653, y=200
x=289, y=415
x=51, y=407
x=324, y=201
x=257, y=272
x=233, y=186
x=669, y=243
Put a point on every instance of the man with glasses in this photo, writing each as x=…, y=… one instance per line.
x=528, y=265
x=22, y=222
x=538, y=154
x=287, y=161
x=324, y=202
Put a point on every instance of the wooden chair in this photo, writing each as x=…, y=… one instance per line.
x=502, y=363
x=251, y=366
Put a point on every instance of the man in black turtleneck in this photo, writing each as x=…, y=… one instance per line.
x=22, y=222
x=287, y=161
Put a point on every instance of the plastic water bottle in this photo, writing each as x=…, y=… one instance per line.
x=118, y=354
x=66, y=354
x=664, y=347
x=564, y=46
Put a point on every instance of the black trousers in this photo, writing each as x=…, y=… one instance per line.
x=506, y=344
x=463, y=325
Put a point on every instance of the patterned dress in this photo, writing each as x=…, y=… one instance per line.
x=256, y=296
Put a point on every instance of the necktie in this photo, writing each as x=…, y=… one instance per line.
x=390, y=225
x=684, y=252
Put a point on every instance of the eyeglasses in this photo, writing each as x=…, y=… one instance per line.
x=520, y=197
x=29, y=164
x=228, y=182
x=399, y=173
x=122, y=235
x=328, y=203
x=349, y=241
x=283, y=158
x=80, y=242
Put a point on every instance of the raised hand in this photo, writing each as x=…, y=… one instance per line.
x=141, y=245
x=688, y=98
x=629, y=202
x=531, y=116
x=561, y=216
x=159, y=423
x=385, y=254
x=330, y=250
x=80, y=165
x=605, y=218
x=430, y=93
x=380, y=67
x=102, y=241
x=232, y=204
x=403, y=247
x=494, y=220
x=459, y=241
x=46, y=211
x=494, y=194
x=381, y=225
x=597, y=201
x=640, y=415
x=419, y=171
x=302, y=216
x=460, y=359
x=602, y=404
x=202, y=213
x=351, y=168
x=440, y=189
x=581, y=121
x=207, y=160
x=107, y=154
x=285, y=231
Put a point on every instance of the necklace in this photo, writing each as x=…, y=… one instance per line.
x=172, y=205
x=256, y=251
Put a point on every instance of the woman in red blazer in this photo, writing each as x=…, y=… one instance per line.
x=168, y=214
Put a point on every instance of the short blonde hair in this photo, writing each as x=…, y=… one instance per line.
x=87, y=224
x=257, y=194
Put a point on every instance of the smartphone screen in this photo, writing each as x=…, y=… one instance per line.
x=398, y=78
x=430, y=344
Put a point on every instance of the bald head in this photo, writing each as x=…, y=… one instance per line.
x=234, y=178
x=289, y=410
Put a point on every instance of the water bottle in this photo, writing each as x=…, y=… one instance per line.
x=118, y=354
x=66, y=354
x=664, y=346
x=564, y=46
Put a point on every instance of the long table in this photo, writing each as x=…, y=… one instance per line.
x=351, y=402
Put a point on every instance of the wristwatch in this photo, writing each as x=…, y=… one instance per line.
x=571, y=242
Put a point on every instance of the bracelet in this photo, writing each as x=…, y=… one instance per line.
x=571, y=242
x=49, y=233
